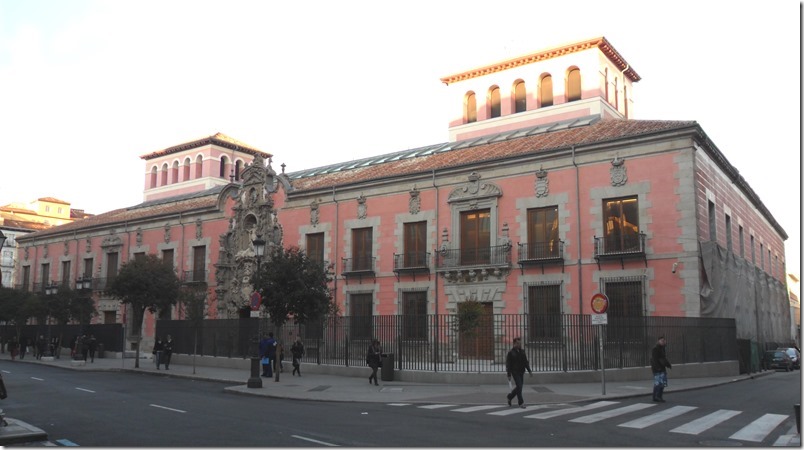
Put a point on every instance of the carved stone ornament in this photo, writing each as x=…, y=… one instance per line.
x=542, y=184
x=617, y=171
x=199, y=232
x=415, y=202
x=44, y=251
x=474, y=190
x=88, y=245
x=362, y=209
x=112, y=240
x=314, y=213
x=139, y=236
x=167, y=233
x=26, y=252
x=66, y=248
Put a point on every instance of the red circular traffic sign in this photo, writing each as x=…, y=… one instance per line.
x=600, y=303
x=256, y=299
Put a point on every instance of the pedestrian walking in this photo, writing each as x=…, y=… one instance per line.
x=268, y=354
x=40, y=347
x=373, y=355
x=157, y=351
x=92, y=346
x=516, y=362
x=168, y=351
x=13, y=348
x=24, y=342
x=297, y=351
x=84, y=347
x=659, y=365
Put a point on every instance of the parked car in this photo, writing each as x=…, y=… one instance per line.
x=794, y=355
x=777, y=359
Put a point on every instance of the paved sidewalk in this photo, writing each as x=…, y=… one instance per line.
x=321, y=387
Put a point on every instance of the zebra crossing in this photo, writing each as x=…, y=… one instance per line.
x=651, y=414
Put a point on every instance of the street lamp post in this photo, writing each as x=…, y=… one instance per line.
x=256, y=310
x=50, y=289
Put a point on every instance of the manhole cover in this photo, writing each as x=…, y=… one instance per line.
x=716, y=443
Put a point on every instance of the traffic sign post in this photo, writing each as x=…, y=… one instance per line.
x=600, y=304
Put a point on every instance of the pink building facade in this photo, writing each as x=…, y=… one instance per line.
x=548, y=192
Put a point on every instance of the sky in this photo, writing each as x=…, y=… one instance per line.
x=87, y=87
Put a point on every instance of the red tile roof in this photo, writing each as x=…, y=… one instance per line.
x=218, y=139
x=601, y=131
x=52, y=200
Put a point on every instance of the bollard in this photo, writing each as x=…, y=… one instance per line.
x=797, y=408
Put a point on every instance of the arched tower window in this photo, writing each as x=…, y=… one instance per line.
x=494, y=102
x=574, y=84
x=616, y=96
x=606, y=82
x=174, y=173
x=153, y=177
x=199, y=166
x=238, y=167
x=470, y=108
x=546, y=91
x=164, y=180
x=222, y=172
x=186, y=169
x=520, y=101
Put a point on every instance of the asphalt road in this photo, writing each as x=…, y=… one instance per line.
x=141, y=410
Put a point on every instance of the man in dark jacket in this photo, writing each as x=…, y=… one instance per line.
x=268, y=354
x=659, y=365
x=516, y=362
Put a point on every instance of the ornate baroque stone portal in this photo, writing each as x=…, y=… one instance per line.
x=252, y=215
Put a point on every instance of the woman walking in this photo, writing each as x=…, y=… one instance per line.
x=297, y=351
x=373, y=359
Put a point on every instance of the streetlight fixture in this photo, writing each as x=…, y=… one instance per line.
x=51, y=289
x=2, y=243
x=259, y=250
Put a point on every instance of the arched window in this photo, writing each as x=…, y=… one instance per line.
x=574, y=85
x=164, y=180
x=199, y=166
x=494, y=102
x=238, y=167
x=174, y=173
x=153, y=177
x=186, y=174
x=222, y=172
x=546, y=91
x=470, y=106
x=606, y=82
x=616, y=96
x=520, y=101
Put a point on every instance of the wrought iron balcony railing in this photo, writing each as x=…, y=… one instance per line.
x=622, y=247
x=540, y=253
x=194, y=276
x=465, y=258
x=358, y=267
x=412, y=262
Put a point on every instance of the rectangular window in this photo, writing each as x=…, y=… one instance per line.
x=65, y=273
x=362, y=241
x=728, y=232
x=111, y=266
x=109, y=316
x=415, y=244
x=712, y=222
x=360, y=311
x=753, y=251
x=199, y=263
x=770, y=262
x=26, y=277
x=88, y=268
x=625, y=310
x=475, y=237
x=544, y=312
x=621, y=230
x=315, y=247
x=741, y=238
x=543, y=233
x=167, y=256
x=761, y=256
x=139, y=256
x=45, y=275
x=414, y=310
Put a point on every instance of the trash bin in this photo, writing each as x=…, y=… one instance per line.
x=100, y=350
x=387, y=373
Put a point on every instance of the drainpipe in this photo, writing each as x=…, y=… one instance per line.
x=622, y=76
x=436, y=278
x=578, y=212
x=337, y=243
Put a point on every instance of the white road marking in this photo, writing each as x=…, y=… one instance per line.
x=477, y=408
x=165, y=407
x=510, y=411
x=85, y=390
x=706, y=422
x=561, y=412
x=314, y=440
x=436, y=406
x=37, y=379
x=398, y=404
x=653, y=419
x=597, y=417
x=758, y=429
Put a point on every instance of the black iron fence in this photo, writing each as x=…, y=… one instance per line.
x=432, y=343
